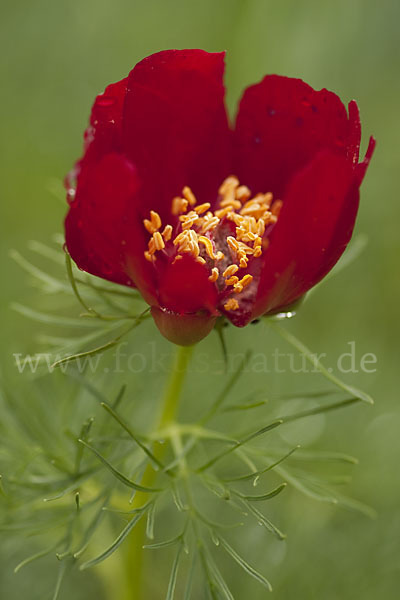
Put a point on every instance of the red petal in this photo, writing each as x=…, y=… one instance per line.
x=103, y=135
x=363, y=166
x=184, y=287
x=97, y=227
x=184, y=330
x=282, y=123
x=175, y=125
x=315, y=225
x=355, y=132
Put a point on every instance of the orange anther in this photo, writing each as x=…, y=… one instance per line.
x=231, y=270
x=167, y=233
x=202, y=208
x=231, y=304
x=158, y=241
x=214, y=274
x=189, y=196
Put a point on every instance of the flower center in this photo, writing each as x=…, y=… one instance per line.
x=224, y=240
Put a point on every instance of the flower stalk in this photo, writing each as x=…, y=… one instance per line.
x=134, y=560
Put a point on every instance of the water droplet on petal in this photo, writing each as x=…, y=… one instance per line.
x=71, y=195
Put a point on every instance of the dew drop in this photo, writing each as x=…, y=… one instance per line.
x=284, y=315
x=71, y=194
x=271, y=111
x=299, y=121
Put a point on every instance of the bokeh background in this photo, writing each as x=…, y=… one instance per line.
x=56, y=56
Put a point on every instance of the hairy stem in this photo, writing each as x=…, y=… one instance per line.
x=134, y=563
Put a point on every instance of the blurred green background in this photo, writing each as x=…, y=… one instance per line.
x=56, y=56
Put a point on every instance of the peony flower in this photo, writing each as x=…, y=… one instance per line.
x=208, y=219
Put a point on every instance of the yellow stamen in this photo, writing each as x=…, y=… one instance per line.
x=267, y=199
x=231, y=270
x=214, y=274
x=232, y=280
x=260, y=227
x=276, y=207
x=222, y=212
x=208, y=222
x=189, y=196
x=208, y=246
x=237, y=219
x=158, y=240
x=230, y=201
x=202, y=208
x=187, y=243
x=243, y=193
x=227, y=192
x=245, y=236
x=189, y=219
x=167, y=233
x=179, y=206
x=229, y=183
x=155, y=222
x=244, y=282
x=232, y=242
x=149, y=257
x=231, y=304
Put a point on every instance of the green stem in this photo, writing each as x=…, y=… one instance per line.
x=134, y=563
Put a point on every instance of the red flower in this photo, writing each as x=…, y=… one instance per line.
x=203, y=219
